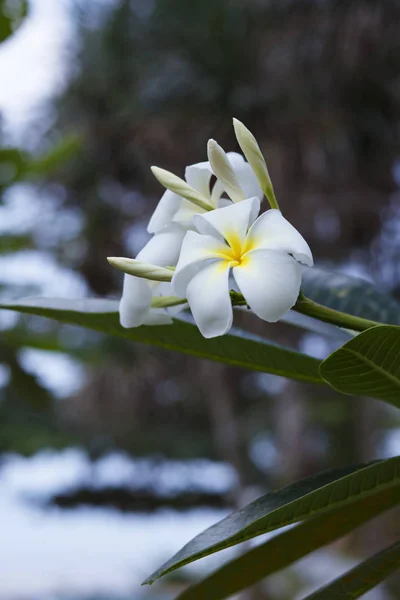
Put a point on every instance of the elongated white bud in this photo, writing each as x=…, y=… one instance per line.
x=253, y=154
x=180, y=187
x=223, y=170
x=137, y=268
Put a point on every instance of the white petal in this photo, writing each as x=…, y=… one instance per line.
x=157, y=316
x=196, y=249
x=198, y=176
x=135, y=302
x=164, y=212
x=216, y=193
x=209, y=300
x=185, y=213
x=246, y=176
x=231, y=221
x=270, y=282
x=273, y=232
x=163, y=248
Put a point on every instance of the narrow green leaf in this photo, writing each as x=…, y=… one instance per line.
x=361, y=579
x=284, y=549
x=237, y=348
x=304, y=499
x=367, y=365
x=10, y=243
x=350, y=295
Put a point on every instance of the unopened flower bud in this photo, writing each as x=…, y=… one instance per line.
x=180, y=187
x=223, y=170
x=253, y=154
x=137, y=268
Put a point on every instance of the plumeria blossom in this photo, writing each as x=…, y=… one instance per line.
x=173, y=208
x=232, y=248
x=135, y=306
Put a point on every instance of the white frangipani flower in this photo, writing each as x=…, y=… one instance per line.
x=262, y=255
x=176, y=209
x=137, y=295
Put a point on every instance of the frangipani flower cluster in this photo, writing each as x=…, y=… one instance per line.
x=210, y=242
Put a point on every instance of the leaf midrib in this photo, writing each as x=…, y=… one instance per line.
x=373, y=365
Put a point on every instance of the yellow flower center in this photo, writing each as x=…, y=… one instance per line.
x=236, y=250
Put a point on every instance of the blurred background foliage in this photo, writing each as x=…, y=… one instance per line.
x=148, y=83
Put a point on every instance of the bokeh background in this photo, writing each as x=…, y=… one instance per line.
x=113, y=455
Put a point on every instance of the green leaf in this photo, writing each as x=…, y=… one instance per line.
x=12, y=165
x=367, y=365
x=284, y=549
x=237, y=348
x=361, y=579
x=14, y=243
x=304, y=499
x=11, y=17
x=350, y=295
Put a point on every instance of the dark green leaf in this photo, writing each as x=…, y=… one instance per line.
x=14, y=243
x=237, y=348
x=367, y=365
x=350, y=295
x=11, y=16
x=304, y=499
x=284, y=549
x=361, y=579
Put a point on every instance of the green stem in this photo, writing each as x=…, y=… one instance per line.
x=237, y=299
x=307, y=307
x=270, y=194
x=303, y=305
x=166, y=301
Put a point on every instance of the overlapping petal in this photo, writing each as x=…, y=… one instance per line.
x=209, y=299
x=185, y=213
x=196, y=251
x=273, y=232
x=163, y=250
x=246, y=176
x=135, y=302
x=230, y=222
x=164, y=212
x=270, y=282
x=198, y=177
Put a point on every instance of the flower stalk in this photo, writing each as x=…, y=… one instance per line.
x=310, y=308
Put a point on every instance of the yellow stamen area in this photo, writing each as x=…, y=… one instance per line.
x=235, y=253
